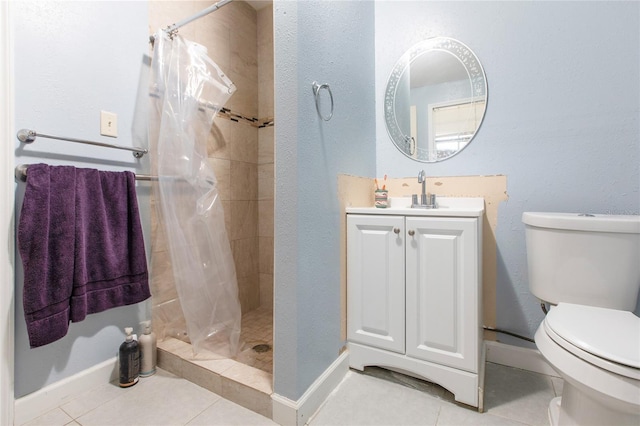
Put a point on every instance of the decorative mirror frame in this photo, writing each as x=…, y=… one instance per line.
x=407, y=144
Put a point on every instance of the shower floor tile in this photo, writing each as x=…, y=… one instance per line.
x=257, y=331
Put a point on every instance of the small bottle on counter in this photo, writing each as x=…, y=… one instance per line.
x=129, y=357
x=148, y=344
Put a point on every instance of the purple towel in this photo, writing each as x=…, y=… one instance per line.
x=82, y=247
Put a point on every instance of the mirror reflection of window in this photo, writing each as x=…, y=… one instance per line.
x=414, y=129
x=453, y=124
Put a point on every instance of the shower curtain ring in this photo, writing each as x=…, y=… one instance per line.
x=316, y=91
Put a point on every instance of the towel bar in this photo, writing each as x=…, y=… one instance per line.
x=28, y=136
x=21, y=174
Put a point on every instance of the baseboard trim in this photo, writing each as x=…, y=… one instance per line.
x=46, y=399
x=289, y=413
x=515, y=356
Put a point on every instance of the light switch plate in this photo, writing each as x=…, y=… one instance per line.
x=109, y=124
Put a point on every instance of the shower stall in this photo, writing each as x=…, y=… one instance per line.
x=239, y=150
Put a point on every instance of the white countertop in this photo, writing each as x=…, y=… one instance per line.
x=447, y=207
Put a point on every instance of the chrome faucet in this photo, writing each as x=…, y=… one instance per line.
x=422, y=178
x=427, y=201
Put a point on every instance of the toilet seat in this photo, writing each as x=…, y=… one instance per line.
x=606, y=338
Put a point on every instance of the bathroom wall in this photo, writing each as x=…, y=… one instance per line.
x=72, y=60
x=240, y=152
x=328, y=42
x=7, y=213
x=562, y=121
x=265, y=155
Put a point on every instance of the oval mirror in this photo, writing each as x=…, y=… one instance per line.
x=435, y=99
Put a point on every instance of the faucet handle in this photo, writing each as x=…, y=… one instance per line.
x=421, y=176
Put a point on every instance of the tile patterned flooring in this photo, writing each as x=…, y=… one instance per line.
x=245, y=380
x=377, y=397
x=381, y=397
x=257, y=329
x=203, y=391
x=162, y=399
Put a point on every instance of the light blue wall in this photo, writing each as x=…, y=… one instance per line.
x=329, y=42
x=562, y=120
x=72, y=60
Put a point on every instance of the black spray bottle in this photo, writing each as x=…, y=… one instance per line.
x=129, y=356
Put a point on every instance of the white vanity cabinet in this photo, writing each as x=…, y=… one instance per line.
x=376, y=281
x=413, y=286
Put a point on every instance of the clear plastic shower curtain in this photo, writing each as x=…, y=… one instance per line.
x=187, y=89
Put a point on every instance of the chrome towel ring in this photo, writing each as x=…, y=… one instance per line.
x=316, y=91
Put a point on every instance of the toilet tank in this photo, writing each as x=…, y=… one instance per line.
x=588, y=260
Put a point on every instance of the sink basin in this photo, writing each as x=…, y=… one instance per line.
x=447, y=206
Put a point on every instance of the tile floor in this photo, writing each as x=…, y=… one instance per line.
x=245, y=380
x=376, y=397
x=381, y=397
x=162, y=399
x=257, y=329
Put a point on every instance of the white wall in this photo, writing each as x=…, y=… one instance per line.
x=6, y=220
x=72, y=60
x=328, y=42
x=562, y=120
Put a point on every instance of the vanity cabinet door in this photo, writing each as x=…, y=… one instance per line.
x=375, y=277
x=442, y=291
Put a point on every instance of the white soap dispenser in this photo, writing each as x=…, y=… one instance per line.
x=148, y=347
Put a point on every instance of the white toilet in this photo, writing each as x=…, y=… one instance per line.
x=588, y=269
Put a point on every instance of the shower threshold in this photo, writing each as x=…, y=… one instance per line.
x=243, y=384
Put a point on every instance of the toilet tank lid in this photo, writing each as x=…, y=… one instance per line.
x=629, y=224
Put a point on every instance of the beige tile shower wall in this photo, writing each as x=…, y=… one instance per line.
x=358, y=192
x=265, y=154
x=230, y=36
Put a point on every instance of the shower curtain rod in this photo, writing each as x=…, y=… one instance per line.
x=21, y=174
x=173, y=28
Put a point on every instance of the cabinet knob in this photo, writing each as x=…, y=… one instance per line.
x=396, y=230
x=412, y=232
